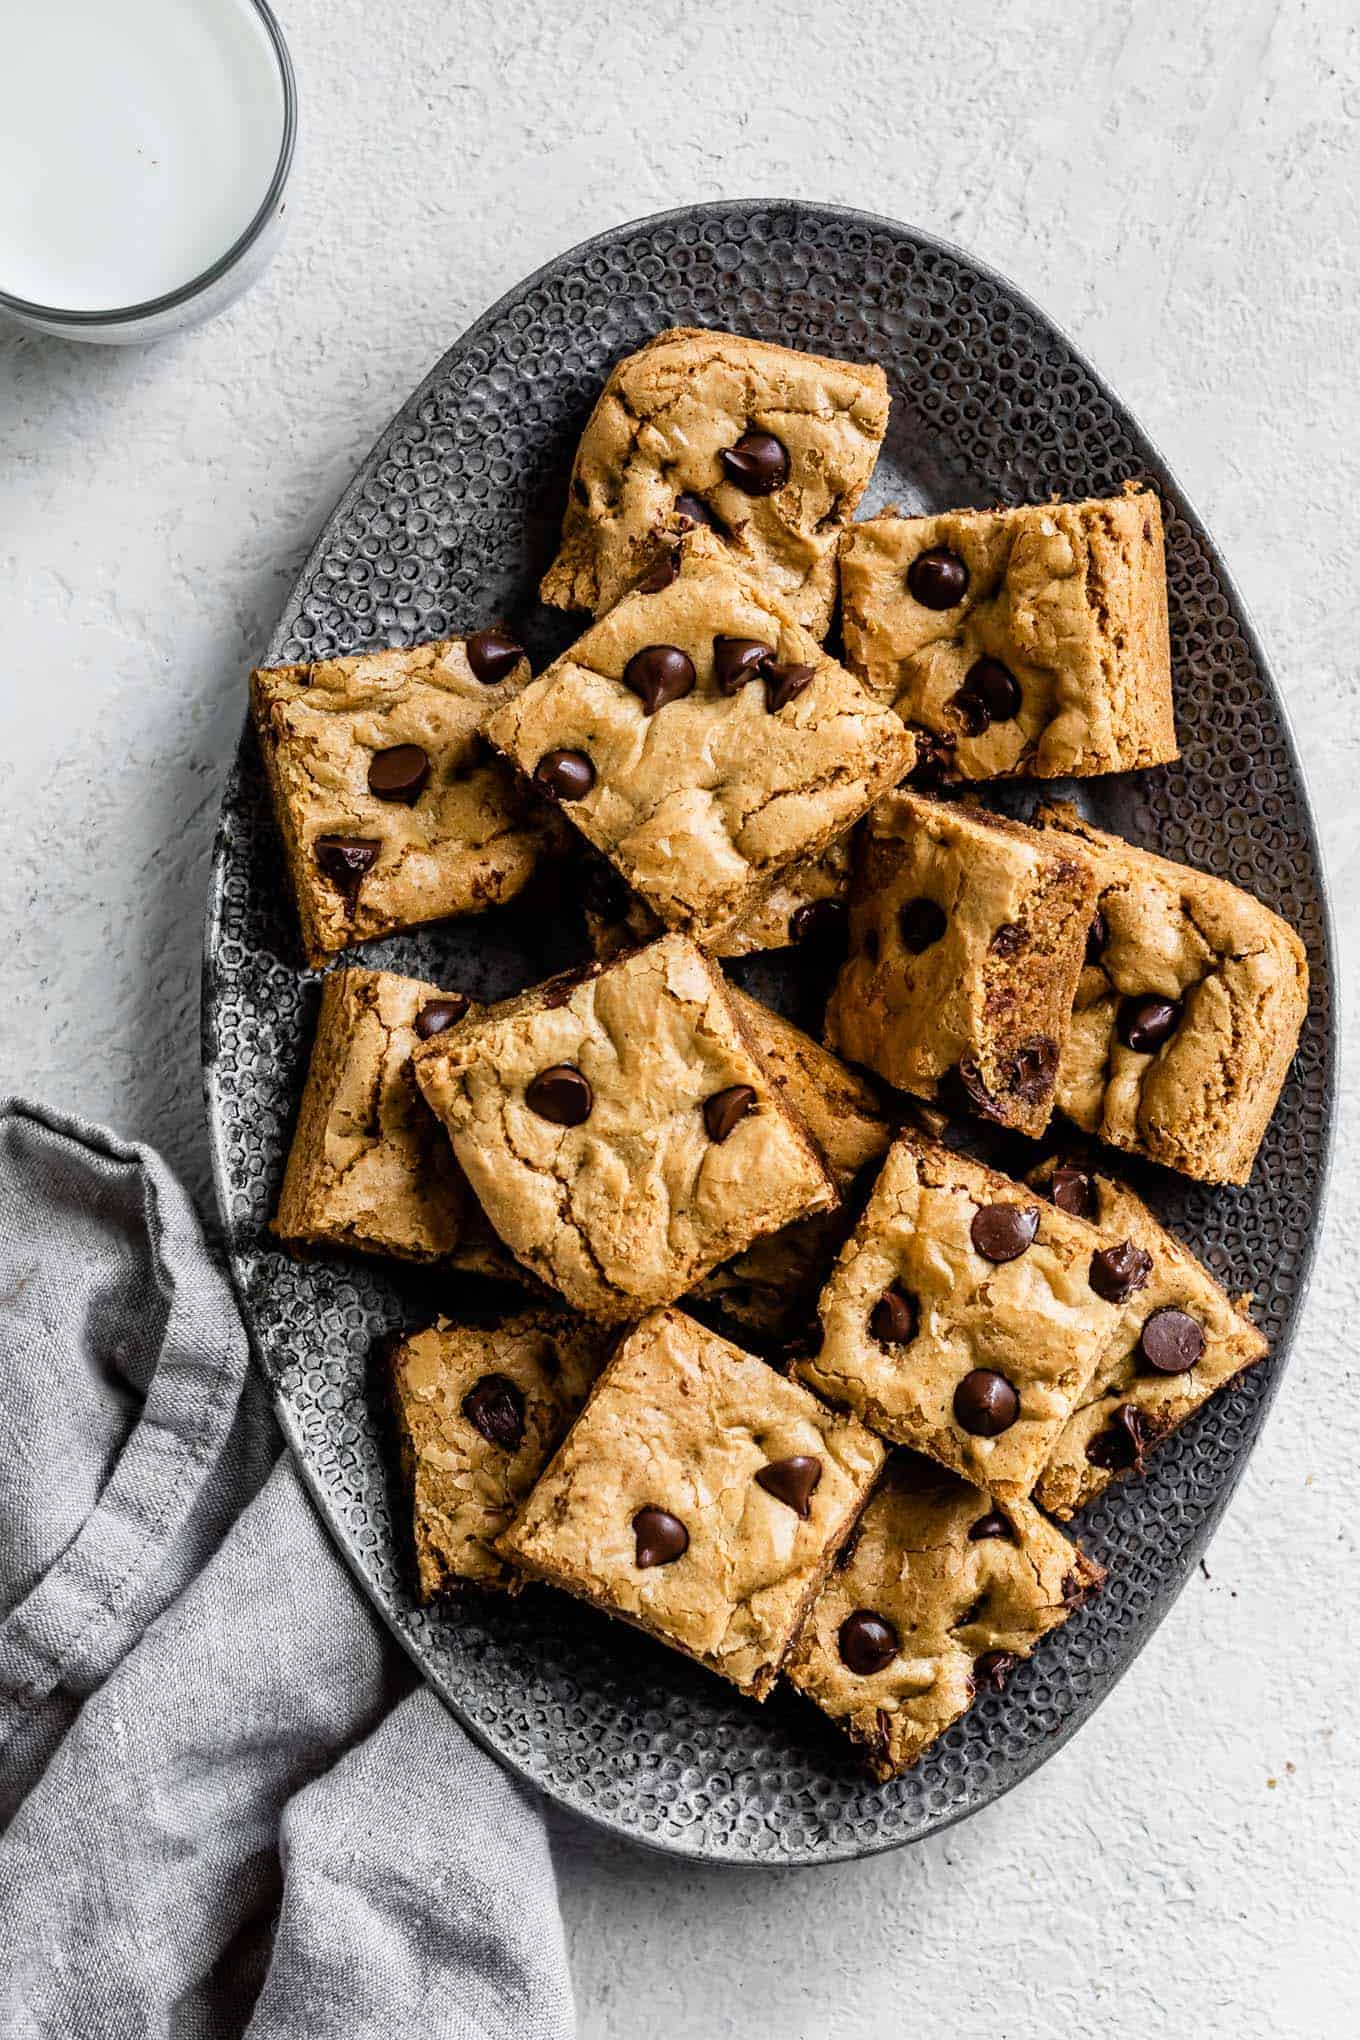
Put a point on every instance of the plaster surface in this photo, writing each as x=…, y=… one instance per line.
x=1179, y=184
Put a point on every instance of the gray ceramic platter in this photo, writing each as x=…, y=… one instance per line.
x=447, y=527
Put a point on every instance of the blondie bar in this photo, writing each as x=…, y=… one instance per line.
x=806, y=904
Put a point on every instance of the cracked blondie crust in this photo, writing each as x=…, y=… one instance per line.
x=391, y=808
x=967, y=933
x=704, y=742
x=1187, y=1013
x=941, y=1595
x=1149, y=1381
x=1029, y=641
x=699, y=1496
x=770, y=447
x=479, y=1412
x=620, y=1129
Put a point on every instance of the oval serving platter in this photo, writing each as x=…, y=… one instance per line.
x=448, y=526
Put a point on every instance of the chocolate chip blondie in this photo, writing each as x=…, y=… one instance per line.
x=699, y=1496
x=391, y=808
x=1031, y=640
x=703, y=741
x=967, y=933
x=479, y=1412
x=768, y=447
x=805, y=905
x=1180, y=1339
x=620, y=1130
x=1187, y=1013
x=943, y=1592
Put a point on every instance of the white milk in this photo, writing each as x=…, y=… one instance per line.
x=137, y=142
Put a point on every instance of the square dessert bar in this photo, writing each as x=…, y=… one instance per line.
x=960, y=1317
x=770, y=447
x=479, y=1412
x=967, y=933
x=391, y=809
x=700, y=1496
x=1187, y=1014
x=702, y=741
x=620, y=1130
x=1180, y=1340
x=806, y=904
x=1026, y=641
x=941, y=1595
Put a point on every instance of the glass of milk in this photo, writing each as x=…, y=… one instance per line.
x=144, y=150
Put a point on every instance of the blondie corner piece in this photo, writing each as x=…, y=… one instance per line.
x=1027, y=641
x=1187, y=1014
x=770, y=447
x=967, y=933
x=704, y=742
x=391, y=810
x=479, y=1411
x=960, y=1317
x=700, y=1496
x=941, y=1595
x=620, y=1130
x=1181, y=1340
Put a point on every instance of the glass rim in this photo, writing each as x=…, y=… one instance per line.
x=184, y=293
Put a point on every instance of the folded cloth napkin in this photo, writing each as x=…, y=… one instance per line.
x=226, y=1806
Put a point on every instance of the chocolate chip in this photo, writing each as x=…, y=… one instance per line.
x=1003, y=1232
x=1170, y=1342
x=867, y=1642
x=1122, y=1445
x=437, y=1014
x=1144, y=1024
x=1009, y=939
x=495, y=1407
x=658, y=674
x=894, y=1319
x=938, y=578
x=660, y=1538
x=822, y=924
x=994, y=1667
x=493, y=655
x=758, y=464
x=694, y=510
x=934, y=759
x=737, y=660
x=1073, y=1190
x=345, y=859
x=560, y=1094
x=566, y=775
x=725, y=1108
x=921, y=923
x=792, y=1481
x=963, y=1090
x=662, y=575
x=1097, y=935
x=399, y=773
x=985, y=1404
x=1116, y=1272
x=990, y=694
x=604, y=893
x=993, y=1524
x=784, y=684
x=1034, y=1068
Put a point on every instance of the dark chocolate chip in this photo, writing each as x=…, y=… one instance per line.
x=658, y=674
x=994, y=1667
x=1097, y=935
x=1073, y=1190
x=1170, y=1342
x=694, y=510
x=934, y=759
x=758, y=464
x=895, y=1318
x=985, y=1404
x=1003, y=1232
x=399, y=773
x=662, y=575
x=963, y=1090
x=921, y=923
x=566, y=775
x=993, y=1524
x=1144, y=1024
x=784, y=684
x=725, y=1108
x=1009, y=939
x=867, y=1642
x=495, y=1407
x=1116, y=1272
x=792, y=1481
x=493, y=655
x=437, y=1014
x=660, y=1538
x=1034, y=1069
x=737, y=660
x=1121, y=1446
x=822, y=924
x=560, y=1094
x=345, y=859
x=996, y=687
x=938, y=578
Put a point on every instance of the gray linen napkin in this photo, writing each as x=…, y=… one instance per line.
x=226, y=1807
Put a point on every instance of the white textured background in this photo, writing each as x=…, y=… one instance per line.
x=1179, y=183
